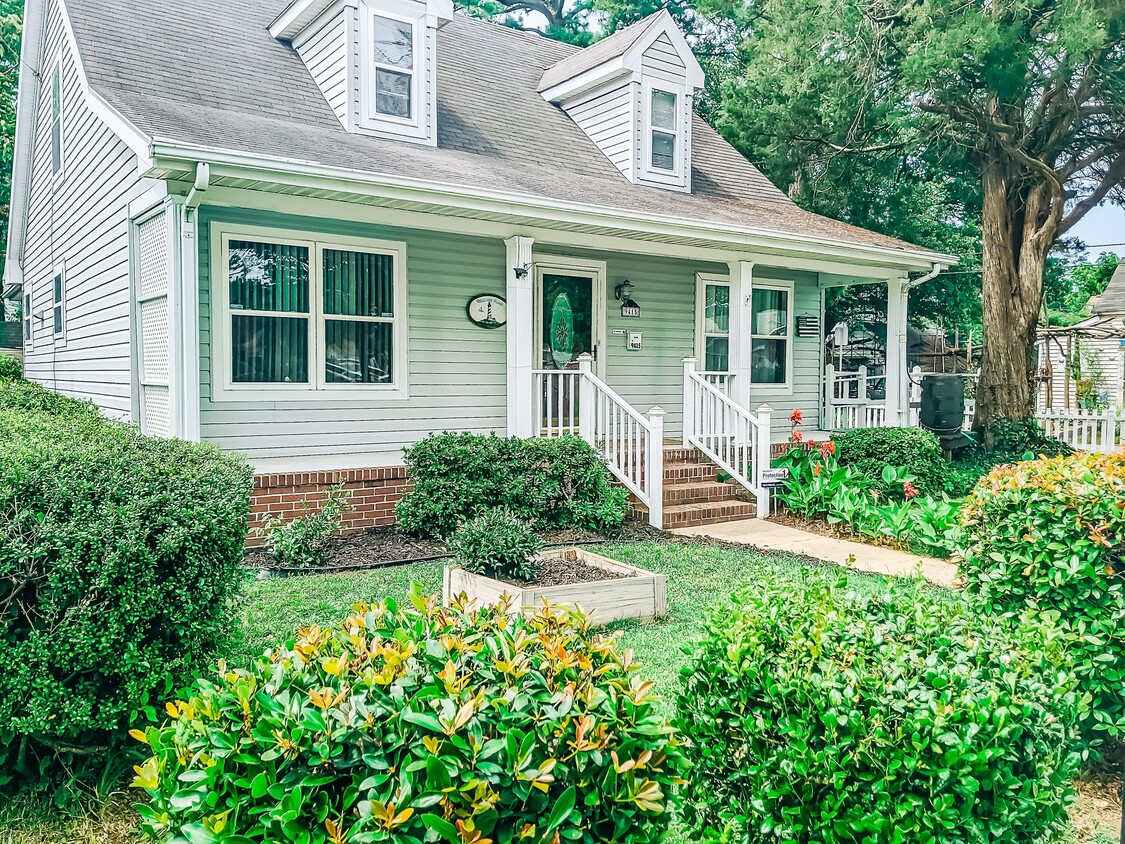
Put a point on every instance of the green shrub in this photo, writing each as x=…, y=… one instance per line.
x=119, y=564
x=10, y=369
x=498, y=544
x=1049, y=534
x=814, y=714
x=301, y=542
x=917, y=451
x=559, y=482
x=1012, y=439
x=420, y=723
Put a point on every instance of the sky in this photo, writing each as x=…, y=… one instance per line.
x=1104, y=224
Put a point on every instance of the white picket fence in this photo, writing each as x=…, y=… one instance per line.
x=1100, y=429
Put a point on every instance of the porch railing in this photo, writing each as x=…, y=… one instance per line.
x=732, y=437
x=576, y=401
x=848, y=401
x=1099, y=429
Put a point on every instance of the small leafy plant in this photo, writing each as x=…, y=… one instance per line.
x=301, y=542
x=816, y=714
x=1049, y=535
x=419, y=723
x=10, y=369
x=498, y=544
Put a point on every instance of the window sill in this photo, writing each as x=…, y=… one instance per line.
x=359, y=393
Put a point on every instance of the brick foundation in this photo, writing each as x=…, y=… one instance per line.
x=374, y=493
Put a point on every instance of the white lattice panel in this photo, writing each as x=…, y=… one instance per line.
x=152, y=274
x=155, y=343
x=157, y=414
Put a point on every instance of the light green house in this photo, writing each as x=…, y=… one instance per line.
x=316, y=232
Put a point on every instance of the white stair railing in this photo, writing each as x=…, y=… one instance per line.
x=576, y=401
x=732, y=437
x=847, y=401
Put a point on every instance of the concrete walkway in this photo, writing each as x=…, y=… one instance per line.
x=858, y=555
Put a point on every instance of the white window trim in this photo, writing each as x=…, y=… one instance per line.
x=369, y=65
x=56, y=74
x=59, y=336
x=223, y=386
x=676, y=174
x=785, y=387
x=702, y=282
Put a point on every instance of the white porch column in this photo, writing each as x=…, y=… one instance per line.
x=186, y=282
x=897, y=382
x=521, y=341
x=741, y=288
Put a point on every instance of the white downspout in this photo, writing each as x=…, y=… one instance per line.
x=902, y=383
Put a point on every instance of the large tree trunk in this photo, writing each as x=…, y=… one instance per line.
x=1019, y=224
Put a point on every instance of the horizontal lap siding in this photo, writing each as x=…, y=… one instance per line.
x=661, y=61
x=607, y=119
x=325, y=54
x=456, y=370
x=80, y=221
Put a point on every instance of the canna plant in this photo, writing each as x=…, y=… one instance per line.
x=419, y=723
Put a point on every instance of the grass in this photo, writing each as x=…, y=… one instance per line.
x=698, y=575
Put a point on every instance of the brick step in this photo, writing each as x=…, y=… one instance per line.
x=689, y=473
x=697, y=492
x=706, y=513
x=679, y=454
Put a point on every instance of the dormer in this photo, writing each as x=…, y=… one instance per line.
x=632, y=94
x=375, y=61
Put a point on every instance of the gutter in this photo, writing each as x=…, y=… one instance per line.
x=167, y=155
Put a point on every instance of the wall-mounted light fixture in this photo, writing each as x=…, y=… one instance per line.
x=624, y=290
x=521, y=272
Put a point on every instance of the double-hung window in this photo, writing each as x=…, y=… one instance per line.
x=771, y=334
x=664, y=141
x=27, y=313
x=394, y=69
x=302, y=317
x=56, y=120
x=715, y=326
x=58, y=306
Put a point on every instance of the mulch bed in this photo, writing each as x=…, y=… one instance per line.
x=785, y=517
x=387, y=546
x=561, y=571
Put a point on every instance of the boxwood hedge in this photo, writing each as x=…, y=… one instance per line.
x=119, y=566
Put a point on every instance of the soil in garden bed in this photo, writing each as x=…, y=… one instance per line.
x=384, y=546
x=785, y=517
x=558, y=570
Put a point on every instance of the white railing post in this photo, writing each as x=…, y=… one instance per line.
x=762, y=460
x=689, y=401
x=861, y=397
x=585, y=398
x=654, y=467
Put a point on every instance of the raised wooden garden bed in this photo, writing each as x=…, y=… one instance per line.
x=623, y=592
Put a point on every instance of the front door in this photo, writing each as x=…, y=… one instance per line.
x=567, y=320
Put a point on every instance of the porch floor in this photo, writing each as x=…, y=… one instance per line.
x=772, y=536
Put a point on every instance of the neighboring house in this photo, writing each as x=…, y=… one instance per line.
x=1095, y=351
x=296, y=230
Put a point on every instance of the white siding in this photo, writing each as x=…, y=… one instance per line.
x=325, y=49
x=1110, y=357
x=607, y=118
x=661, y=61
x=79, y=220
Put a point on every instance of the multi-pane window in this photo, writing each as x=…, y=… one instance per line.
x=394, y=67
x=663, y=115
x=27, y=313
x=56, y=121
x=57, y=305
x=770, y=329
x=716, y=328
x=309, y=313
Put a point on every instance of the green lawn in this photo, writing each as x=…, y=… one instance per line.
x=698, y=575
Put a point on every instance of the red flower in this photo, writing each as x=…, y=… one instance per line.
x=827, y=448
x=795, y=417
x=798, y=436
x=817, y=469
x=909, y=490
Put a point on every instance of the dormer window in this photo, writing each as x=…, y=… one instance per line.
x=395, y=70
x=663, y=119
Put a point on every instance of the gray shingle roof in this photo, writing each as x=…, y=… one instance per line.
x=608, y=48
x=207, y=72
x=1112, y=302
